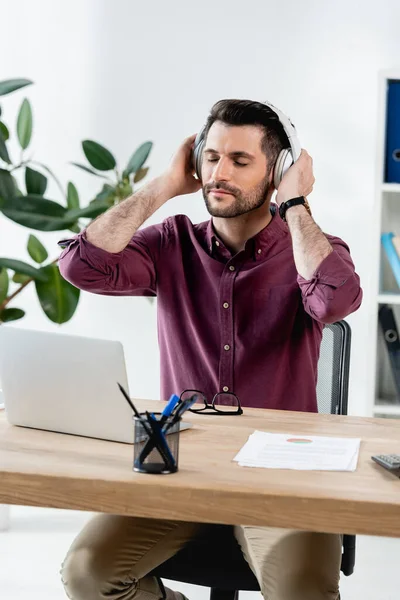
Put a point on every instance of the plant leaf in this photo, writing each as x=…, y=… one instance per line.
x=88, y=170
x=94, y=209
x=58, y=298
x=21, y=267
x=11, y=314
x=4, y=282
x=141, y=174
x=24, y=124
x=125, y=190
x=75, y=228
x=11, y=85
x=19, y=278
x=138, y=158
x=4, y=131
x=72, y=196
x=51, y=175
x=3, y=149
x=107, y=192
x=37, y=213
x=35, y=182
x=99, y=157
x=36, y=250
x=7, y=186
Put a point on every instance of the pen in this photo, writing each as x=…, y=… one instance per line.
x=133, y=407
x=182, y=408
x=172, y=402
x=136, y=412
x=162, y=445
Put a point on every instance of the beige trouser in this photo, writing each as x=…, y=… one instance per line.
x=112, y=556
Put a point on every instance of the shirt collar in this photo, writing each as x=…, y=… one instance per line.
x=256, y=246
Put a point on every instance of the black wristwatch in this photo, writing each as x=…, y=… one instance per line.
x=292, y=202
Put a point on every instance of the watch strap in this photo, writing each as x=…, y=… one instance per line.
x=293, y=202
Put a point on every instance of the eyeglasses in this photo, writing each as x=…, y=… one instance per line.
x=224, y=403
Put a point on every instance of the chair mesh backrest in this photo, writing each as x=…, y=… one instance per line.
x=333, y=369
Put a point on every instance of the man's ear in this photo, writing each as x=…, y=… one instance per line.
x=271, y=185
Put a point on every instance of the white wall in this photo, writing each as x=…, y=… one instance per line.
x=122, y=72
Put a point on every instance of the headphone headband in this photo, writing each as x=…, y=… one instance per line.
x=290, y=130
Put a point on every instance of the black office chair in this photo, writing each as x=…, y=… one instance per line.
x=214, y=558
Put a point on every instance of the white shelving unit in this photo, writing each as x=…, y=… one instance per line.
x=384, y=399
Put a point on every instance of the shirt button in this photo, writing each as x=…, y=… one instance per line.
x=259, y=251
x=231, y=268
x=217, y=243
x=227, y=347
x=225, y=388
x=225, y=305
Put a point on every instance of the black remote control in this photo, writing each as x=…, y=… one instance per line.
x=389, y=461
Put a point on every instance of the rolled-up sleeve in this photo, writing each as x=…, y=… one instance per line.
x=131, y=272
x=334, y=290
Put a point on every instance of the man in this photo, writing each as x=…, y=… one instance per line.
x=242, y=301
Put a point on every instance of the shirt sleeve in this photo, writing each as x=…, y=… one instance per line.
x=131, y=272
x=334, y=290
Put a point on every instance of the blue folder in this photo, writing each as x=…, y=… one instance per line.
x=392, y=149
x=394, y=261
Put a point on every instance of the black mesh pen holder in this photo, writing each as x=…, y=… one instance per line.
x=154, y=451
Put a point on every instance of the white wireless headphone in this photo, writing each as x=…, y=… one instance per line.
x=285, y=159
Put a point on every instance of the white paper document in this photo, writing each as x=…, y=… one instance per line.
x=299, y=452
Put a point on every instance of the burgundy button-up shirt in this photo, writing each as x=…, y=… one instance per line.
x=246, y=323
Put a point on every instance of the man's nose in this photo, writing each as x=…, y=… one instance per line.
x=222, y=170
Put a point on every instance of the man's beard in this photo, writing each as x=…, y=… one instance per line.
x=241, y=204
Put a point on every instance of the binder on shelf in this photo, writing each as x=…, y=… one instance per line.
x=396, y=244
x=392, y=256
x=392, y=150
x=390, y=333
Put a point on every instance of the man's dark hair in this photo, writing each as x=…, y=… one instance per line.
x=248, y=112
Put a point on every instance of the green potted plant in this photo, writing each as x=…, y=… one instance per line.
x=23, y=199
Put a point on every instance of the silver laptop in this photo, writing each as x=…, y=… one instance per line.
x=65, y=383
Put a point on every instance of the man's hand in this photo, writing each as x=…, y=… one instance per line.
x=298, y=180
x=179, y=177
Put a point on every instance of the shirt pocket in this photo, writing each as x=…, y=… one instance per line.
x=273, y=312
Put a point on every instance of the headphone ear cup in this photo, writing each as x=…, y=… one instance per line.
x=283, y=163
x=197, y=154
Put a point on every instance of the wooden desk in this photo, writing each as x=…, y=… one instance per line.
x=47, y=469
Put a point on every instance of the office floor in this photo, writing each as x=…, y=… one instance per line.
x=32, y=550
